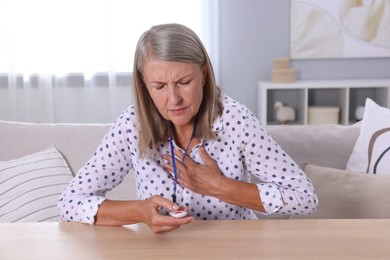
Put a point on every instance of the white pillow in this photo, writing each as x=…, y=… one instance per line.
x=30, y=186
x=371, y=153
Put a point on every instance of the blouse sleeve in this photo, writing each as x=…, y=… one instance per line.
x=105, y=170
x=284, y=188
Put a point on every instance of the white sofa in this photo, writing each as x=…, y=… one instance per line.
x=328, y=146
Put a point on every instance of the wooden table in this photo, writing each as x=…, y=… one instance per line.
x=255, y=239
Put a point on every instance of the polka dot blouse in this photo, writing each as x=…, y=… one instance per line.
x=242, y=148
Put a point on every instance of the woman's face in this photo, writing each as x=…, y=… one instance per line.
x=176, y=88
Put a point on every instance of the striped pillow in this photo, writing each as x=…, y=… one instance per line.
x=30, y=186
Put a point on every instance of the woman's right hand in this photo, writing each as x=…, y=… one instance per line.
x=115, y=213
x=150, y=214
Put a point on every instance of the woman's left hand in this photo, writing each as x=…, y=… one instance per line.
x=204, y=179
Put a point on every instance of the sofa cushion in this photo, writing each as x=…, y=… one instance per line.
x=77, y=142
x=345, y=194
x=326, y=145
x=31, y=185
x=371, y=153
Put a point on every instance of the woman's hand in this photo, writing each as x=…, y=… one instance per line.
x=150, y=214
x=207, y=179
x=116, y=213
x=204, y=179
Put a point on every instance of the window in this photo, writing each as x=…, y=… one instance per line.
x=65, y=36
x=71, y=60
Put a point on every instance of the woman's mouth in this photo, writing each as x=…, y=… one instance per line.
x=178, y=111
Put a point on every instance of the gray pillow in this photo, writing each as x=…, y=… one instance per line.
x=345, y=194
x=328, y=145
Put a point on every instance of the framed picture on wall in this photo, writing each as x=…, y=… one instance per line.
x=339, y=29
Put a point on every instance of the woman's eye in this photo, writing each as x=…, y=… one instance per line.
x=184, y=83
x=159, y=87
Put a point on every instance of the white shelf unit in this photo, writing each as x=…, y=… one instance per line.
x=346, y=94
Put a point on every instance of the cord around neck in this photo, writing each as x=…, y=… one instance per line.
x=182, y=160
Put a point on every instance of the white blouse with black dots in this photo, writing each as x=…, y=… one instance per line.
x=242, y=147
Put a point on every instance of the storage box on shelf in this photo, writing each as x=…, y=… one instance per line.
x=323, y=115
x=347, y=95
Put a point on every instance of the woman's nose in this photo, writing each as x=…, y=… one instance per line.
x=174, y=94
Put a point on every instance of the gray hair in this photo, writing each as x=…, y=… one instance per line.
x=172, y=42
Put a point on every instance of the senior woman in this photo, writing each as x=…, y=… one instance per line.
x=191, y=148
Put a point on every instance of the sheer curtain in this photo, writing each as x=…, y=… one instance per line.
x=71, y=60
